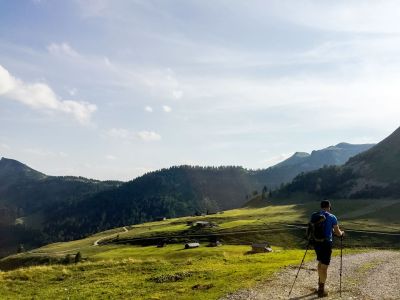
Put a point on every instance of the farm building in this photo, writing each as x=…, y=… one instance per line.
x=204, y=224
x=261, y=247
x=215, y=244
x=191, y=245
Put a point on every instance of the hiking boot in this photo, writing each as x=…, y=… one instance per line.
x=321, y=290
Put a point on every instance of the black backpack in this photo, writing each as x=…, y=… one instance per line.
x=316, y=228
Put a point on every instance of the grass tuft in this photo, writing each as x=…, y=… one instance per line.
x=170, y=277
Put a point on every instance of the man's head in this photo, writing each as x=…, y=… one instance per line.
x=326, y=205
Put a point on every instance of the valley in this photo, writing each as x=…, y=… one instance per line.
x=37, y=209
x=122, y=252
x=127, y=263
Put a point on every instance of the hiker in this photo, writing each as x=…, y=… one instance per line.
x=323, y=247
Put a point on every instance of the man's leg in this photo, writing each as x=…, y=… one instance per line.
x=322, y=272
x=321, y=252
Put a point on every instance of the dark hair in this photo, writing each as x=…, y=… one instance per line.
x=325, y=204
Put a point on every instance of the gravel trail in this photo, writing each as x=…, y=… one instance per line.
x=366, y=276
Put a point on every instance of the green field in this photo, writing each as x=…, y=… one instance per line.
x=121, y=268
x=127, y=272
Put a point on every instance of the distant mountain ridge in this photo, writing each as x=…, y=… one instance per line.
x=185, y=190
x=374, y=173
x=25, y=192
x=72, y=207
x=12, y=170
x=26, y=189
x=302, y=162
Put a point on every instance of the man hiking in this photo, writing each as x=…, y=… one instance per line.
x=323, y=245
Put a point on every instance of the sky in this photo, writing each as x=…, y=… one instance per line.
x=112, y=89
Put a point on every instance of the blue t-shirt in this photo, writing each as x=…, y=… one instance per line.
x=331, y=221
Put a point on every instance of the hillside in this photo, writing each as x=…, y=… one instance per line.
x=173, y=192
x=380, y=163
x=186, y=190
x=371, y=174
x=28, y=197
x=28, y=191
x=54, y=208
x=12, y=171
x=127, y=263
x=302, y=162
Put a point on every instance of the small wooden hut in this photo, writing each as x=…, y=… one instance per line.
x=191, y=245
x=261, y=247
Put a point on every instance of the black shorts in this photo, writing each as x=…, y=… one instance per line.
x=324, y=252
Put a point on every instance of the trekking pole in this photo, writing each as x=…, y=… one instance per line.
x=298, y=271
x=341, y=264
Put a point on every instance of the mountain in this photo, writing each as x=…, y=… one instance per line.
x=302, y=162
x=28, y=196
x=57, y=208
x=173, y=192
x=382, y=162
x=374, y=173
x=28, y=191
x=12, y=171
x=186, y=190
x=295, y=159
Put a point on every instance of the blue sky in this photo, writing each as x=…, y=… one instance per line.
x=113, y=89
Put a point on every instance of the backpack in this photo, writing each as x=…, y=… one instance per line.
x=316, y=228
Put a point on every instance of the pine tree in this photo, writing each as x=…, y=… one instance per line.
x=264, y=193
x=21, y=248
x=78, y=257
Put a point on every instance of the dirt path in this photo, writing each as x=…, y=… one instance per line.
x=367, y=276
x=96, y=243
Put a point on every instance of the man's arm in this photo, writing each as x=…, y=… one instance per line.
x=337, y=230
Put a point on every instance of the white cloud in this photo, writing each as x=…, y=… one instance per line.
x=166, y=108
x=45, y=153
x=40, y=96
x=118, y=133
x=62, y=50
x=149, y=136
x=148, y=109
x=125, y=134
x=349, y=16
x=7, y=82
x=73, y=91
x=5, y=147
x=107, y=62
x=63, y=154
x=177, y=94
x=271, y=161
x=93, y=8
x=110, y=157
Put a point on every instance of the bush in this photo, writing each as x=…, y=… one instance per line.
x=78, y=257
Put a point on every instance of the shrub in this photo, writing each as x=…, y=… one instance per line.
x=78, y=257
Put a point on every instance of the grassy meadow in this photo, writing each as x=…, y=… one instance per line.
x=120, y=268
x=133, y=272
